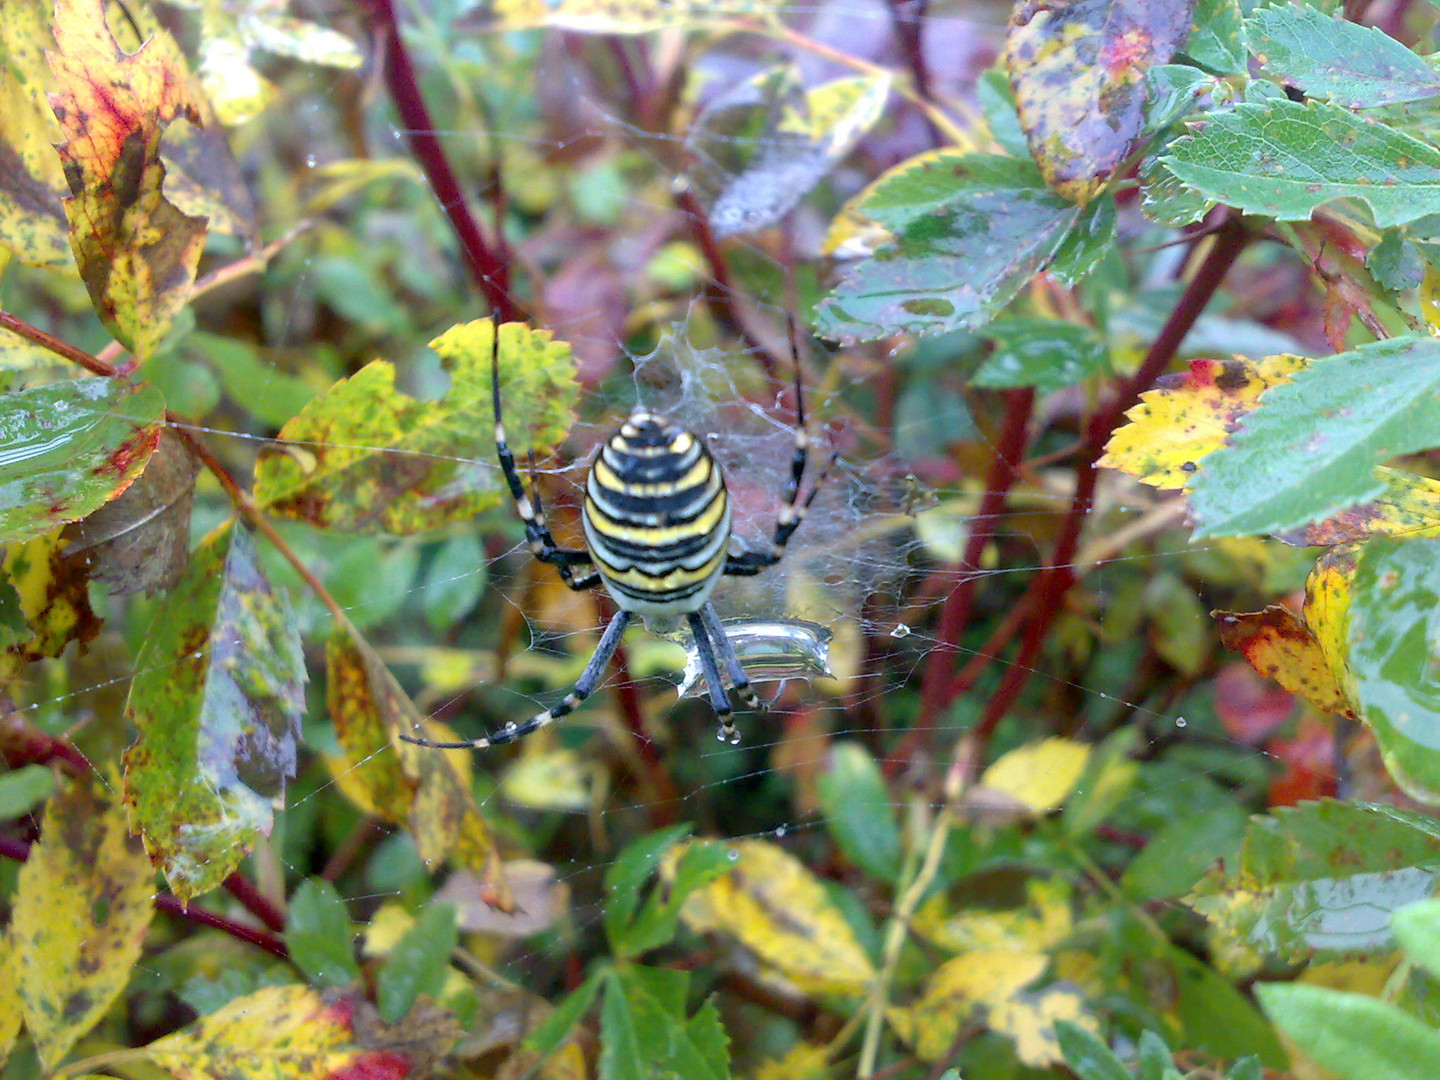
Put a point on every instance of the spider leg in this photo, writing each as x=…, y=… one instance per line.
x=721, y=641
x=576, y=584
x=609, y=642
x=542, y=544
x=719, y=699
x=792, y=513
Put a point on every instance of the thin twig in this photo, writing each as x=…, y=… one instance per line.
x=60, y=348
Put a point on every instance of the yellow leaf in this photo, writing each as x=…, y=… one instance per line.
x=781, y=912
x=803, y=1061
x=10, y=1013
x=1030, y=1021
x=83, y=903
x=983, y=979
x=296, y=1033
x=1190, y=415
x=136, y=250
x=1043, y=922
x=547, y=778
x=1039, y=775
x=424, y=790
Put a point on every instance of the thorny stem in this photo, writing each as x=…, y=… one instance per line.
x=1060, y=573
x=487, y=269
x=19, y=851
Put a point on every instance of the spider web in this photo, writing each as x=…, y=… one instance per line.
x=872, y=541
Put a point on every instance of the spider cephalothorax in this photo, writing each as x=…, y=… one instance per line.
x=657, y=534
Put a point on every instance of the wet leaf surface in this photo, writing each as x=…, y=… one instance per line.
x=1284, y=159
x=217, y=696
x=1312, y=446
x=136, y=250
x=1078, y=70
x=68, y=448
x=82, y=906
x=1319, y=878
x=1395, y=657
x=364, y=457
x=969, y=231
x=1359, y=67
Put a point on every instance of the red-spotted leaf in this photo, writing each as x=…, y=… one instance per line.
x=137, y=251
x=426, y=791
x=297, y=1033
x=1078, y=70
x=54, y=600
x=217, y=697
x=68, y=448
x=364, y=457
x=82, y=906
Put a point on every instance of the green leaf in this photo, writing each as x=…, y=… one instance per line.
x=364, y=457
x=549, y=1033
x=24, y=789
x=1354, y=1037
x=970, y=231
x=1088, y=241
x=217, y=696
x=454, y=581
x=1155, y=1056
x=627, y=875
x=1417, y=928
x=1078, y=70
x=69, y=448
x=1215, y=39
x=1284, y=159
x=1090, y=1058
x=645, y=1035
x=1178, y=854
x=656, y=924
x=859, y=811
x=320, y=935
x=1394, y=648
x=1247, y=1068
x=1312, y=446
x=1360, y=67
x=418, y=962
x=1395, y=262
x=1174, y=91
x=270, y=394
x=1048, y=354
x=1319, y=878
x=997, y=105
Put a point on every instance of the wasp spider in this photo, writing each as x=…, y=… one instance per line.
x=657, y=534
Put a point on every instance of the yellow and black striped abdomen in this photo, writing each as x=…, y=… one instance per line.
x=657, y=518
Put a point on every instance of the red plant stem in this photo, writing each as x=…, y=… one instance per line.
x=19, y=851
x=935, y=694
x=53, y=344
x=721, y=290
x=252, y=901
x=490, y=272
x=1059, y=574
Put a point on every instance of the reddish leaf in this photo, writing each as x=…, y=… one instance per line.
x=137, y=251
x=1078, y=70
